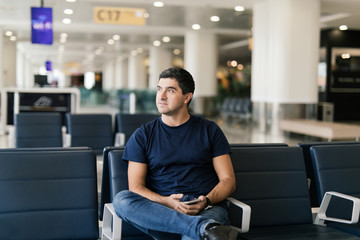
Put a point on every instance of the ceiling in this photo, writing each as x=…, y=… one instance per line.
x=173, y=20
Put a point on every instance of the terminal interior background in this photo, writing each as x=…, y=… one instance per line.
x=290, y=58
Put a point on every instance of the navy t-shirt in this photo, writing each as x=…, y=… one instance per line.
x=179, y=158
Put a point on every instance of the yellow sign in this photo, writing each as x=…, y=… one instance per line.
x=113, y=15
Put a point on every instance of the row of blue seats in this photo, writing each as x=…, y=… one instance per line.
x=239, y=108
x=272, y=180
x=51, y=193
x=40, y=129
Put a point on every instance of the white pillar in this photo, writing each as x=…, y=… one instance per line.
x=137, y=72
x=286, y=37
x=1, y=58
x=286, y=46
x=160, y=59
x=20, y=68
x=121, y=72
x=9, y=66
x=28, y=73
x=200, y=59
x=108, y=75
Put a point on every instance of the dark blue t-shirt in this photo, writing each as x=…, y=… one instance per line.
x=179, y=158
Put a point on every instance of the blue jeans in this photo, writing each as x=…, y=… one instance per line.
x=161, y=222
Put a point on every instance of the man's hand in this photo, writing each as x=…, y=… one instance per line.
x=191, y=209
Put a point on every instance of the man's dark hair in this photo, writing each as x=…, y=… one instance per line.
x=183, y=77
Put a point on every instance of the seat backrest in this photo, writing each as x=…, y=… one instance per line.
x=38, y=130
x=105, y=182
x=92, y=130
x=272, y=181
x=48, y=194
x=337, y=168
x=235, y=145
x=118, y=182
x=315, y=202
x=128, y=123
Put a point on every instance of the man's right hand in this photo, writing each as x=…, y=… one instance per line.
x=173, y=200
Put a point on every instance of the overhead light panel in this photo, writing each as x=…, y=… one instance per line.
x=214, y=18
x=66, y=20
x=343, y=27
x=158, y=4
x=176, y=51
x=166, y=39
x=8, y=33
x=68, y=11
x=196, y=26
x=239, y=8
x=156, y=43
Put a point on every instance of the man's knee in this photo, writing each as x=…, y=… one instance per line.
x=122, y=201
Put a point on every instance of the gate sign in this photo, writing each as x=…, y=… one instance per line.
x=41, y=25
x=115, y=15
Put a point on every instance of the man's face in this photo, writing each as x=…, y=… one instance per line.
x=169, y=97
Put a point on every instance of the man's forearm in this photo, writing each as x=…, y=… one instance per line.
x=222, y=190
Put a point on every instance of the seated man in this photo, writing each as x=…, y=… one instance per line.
x=173, y=159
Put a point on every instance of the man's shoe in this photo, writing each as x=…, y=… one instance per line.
x=219, y=232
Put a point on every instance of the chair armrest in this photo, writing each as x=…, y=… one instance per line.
x=112, y=224
x=321, y=215
x=245, y=223
x=66, y=140
x=119, y=139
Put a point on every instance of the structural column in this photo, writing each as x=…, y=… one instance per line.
x=200, y=59
x=137, y=72
x=121, y=72
x=160, y=59
x=1, y=58
x=286, y=36
x=108, y=75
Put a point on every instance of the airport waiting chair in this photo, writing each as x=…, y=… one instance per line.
x=126, y=124
x=115, y=177
x=105, y=182
x=239, y=145
x=119, y=181
x=38, y=129
x=272, y=181
x=48, y=194
x=92, y=130
x=337, y=171
x=315, y=202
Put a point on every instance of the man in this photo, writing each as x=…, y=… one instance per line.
x=176, y=158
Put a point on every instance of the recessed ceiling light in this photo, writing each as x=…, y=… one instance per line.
x=71, y=0
x=214, y=18
x=68, y=11
x=343, y=27
x=12, y=38
x=196, y=26
x=66, y=20
x=116, y=37
x=8, y=33
x=239, y=8
x=176, y=51
x=63, y=35
x=111, y=41
x=158, y=4
x=156, y=43
x=166, y=39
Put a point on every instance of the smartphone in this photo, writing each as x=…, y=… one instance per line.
x=196, y=200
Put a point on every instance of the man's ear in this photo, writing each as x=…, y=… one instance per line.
x=188, y=97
